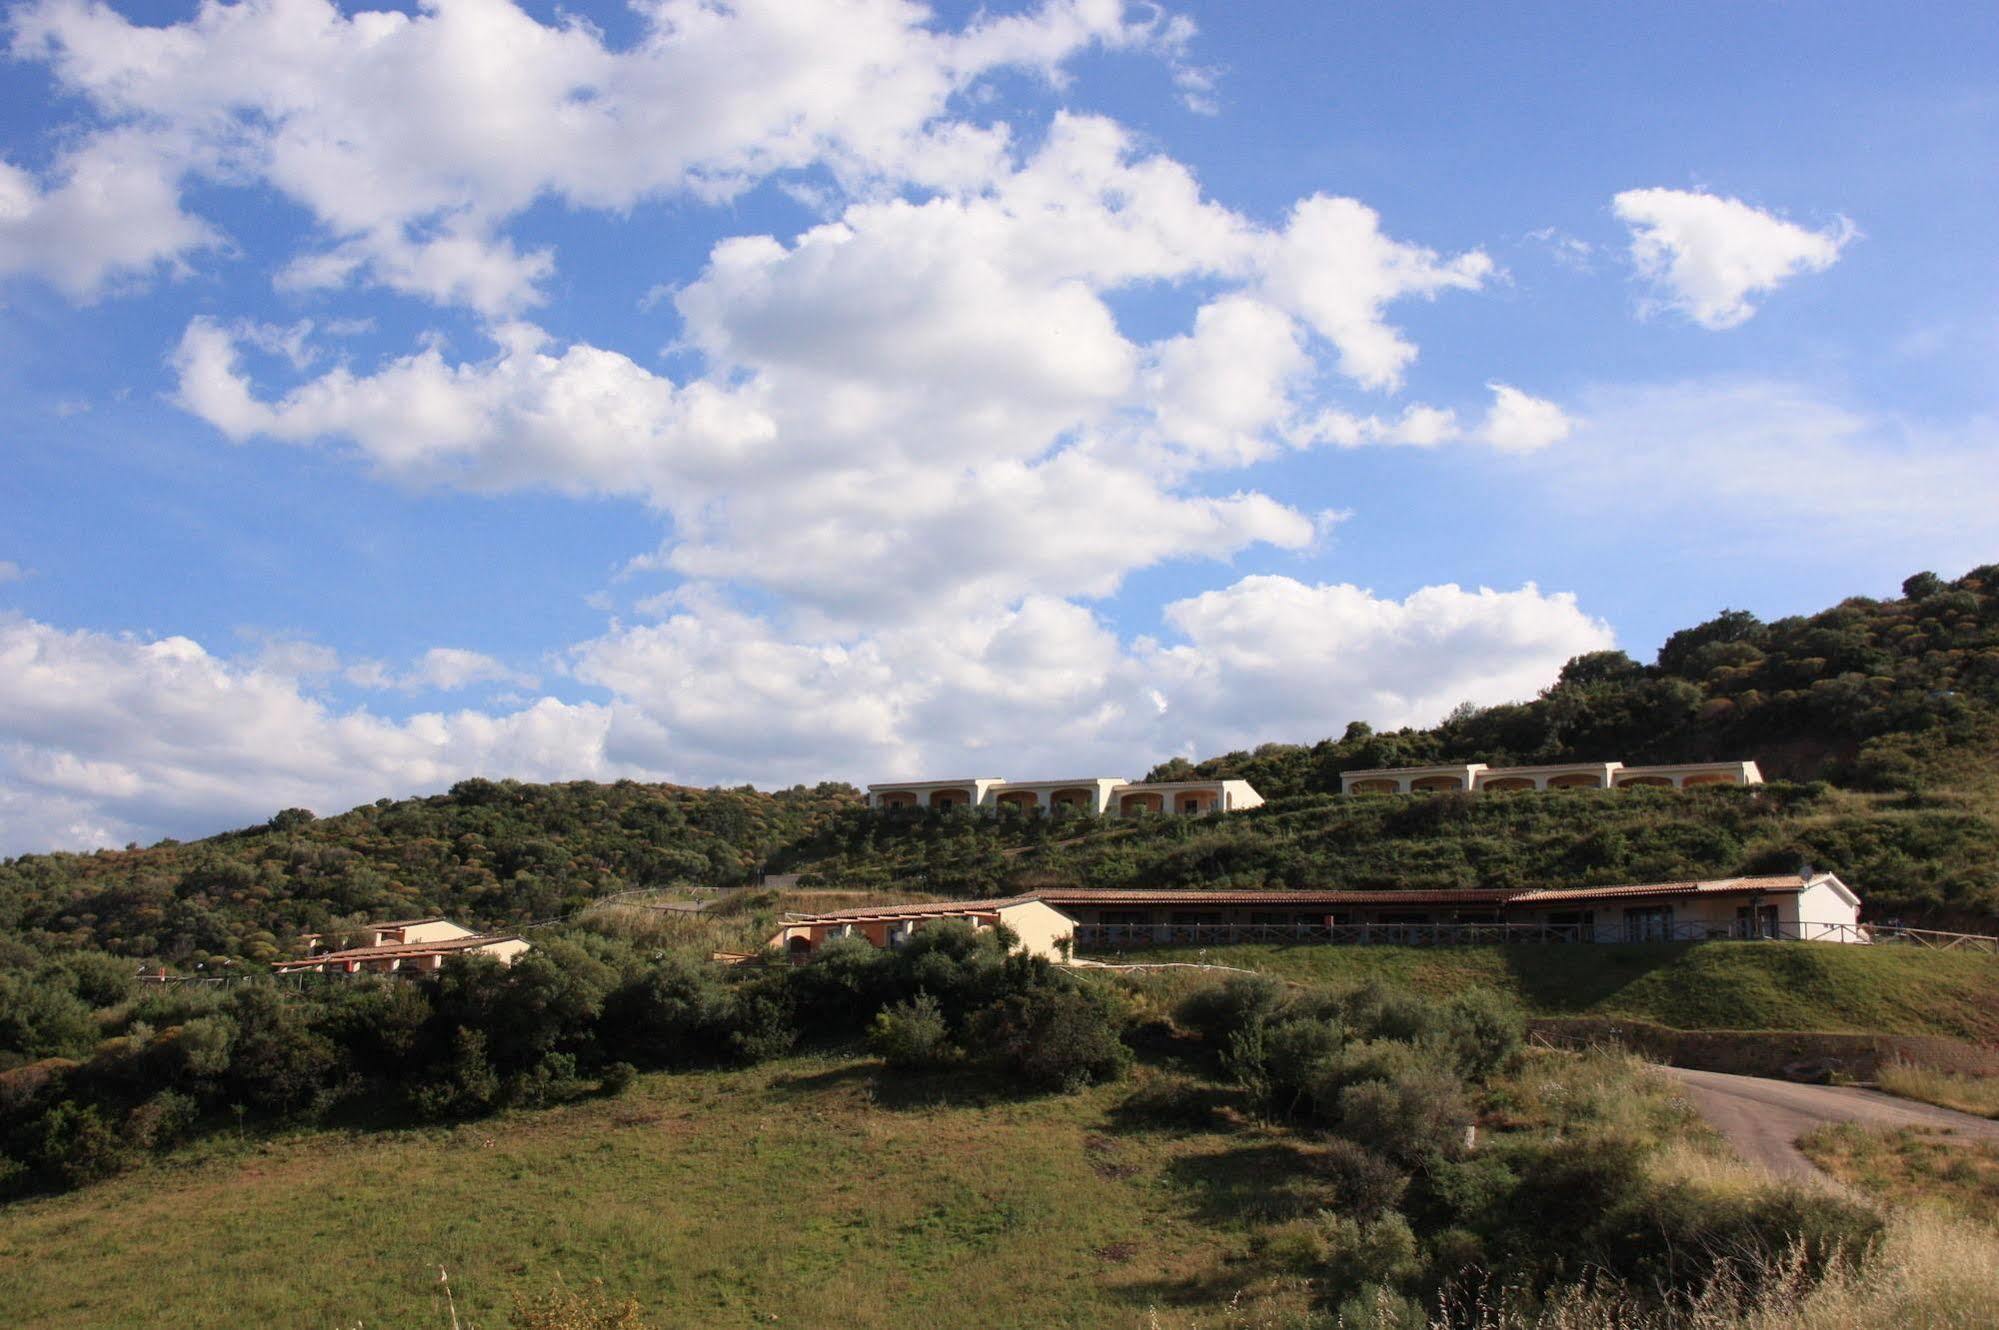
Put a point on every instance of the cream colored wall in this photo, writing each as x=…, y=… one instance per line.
x=1040, y=927
x=441, y=930
x=506, y=952
x=1241, y=795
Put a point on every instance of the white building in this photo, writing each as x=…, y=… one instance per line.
x=1477, y=777
x=1101, y=796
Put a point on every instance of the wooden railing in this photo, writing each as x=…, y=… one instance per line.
x=1111, y=936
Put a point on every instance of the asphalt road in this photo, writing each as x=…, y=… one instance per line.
x=1763, y=1119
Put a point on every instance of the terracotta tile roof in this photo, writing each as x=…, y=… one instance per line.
x=395, y=949
x=1787, y=882
x=1175, y=898
x=922, y=910
x=1060, y=896
x=410, y=923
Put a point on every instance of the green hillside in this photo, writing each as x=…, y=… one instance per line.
x=1689, y=986
x=1878, y=721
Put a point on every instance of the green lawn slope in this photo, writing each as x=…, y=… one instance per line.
x=1689, y=986
x=793, y=1194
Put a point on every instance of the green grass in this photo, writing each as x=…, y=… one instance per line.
x=1690, y=986
x=792, y=1194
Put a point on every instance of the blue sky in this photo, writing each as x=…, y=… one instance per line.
x=773, y=392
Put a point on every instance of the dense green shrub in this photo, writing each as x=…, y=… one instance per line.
x=912, y=1035
x=1056, y=1038
x=1412, y=1117
x=1365, y=1183
x=1237, y=1003
x=1485, y=1031
x=463, y=1085
x=1278, y=1062
x=677, y=1013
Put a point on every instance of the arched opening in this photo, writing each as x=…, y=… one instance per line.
x=1072, y=800
x=1507, y=785
x=1024, y=800
x=1575, y=780
x=1195, y=803
x=896, y=799
x=1711, y=778
x=1134, y=804
x=1433, y=784
x=1662, y=782
x=1374, y=787
x=950, y=798
x=798, y=947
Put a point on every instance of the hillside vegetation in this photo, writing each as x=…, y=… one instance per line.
x=1878, y=721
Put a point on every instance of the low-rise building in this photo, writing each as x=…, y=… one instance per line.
x=1042, y=929
x=1477, y=777
x=1812, y=907
x=1100, y=796
x=411, y=945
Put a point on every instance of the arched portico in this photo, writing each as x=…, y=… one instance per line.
x=1075, y=799
x=1660, y=782
x=1575, y=780
x=1706, y=778
x=1375, y=787
x=1508, y=785
x=1026, y=801
x=798, y=947
x=951, y=798
x=1435, y=784
x=1131, y=805
x=896, y=799
x=1194, y=803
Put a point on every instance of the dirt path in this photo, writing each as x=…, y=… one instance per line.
x=1763, y=1119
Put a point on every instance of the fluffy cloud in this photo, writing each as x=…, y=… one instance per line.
x=109, y=738
x=1335, y=267
x=1514, y=423
x=110, y=213
x=141, y=738
x=412, y=138
x=1273, y=656
x=1706, y=255
x=925, y=403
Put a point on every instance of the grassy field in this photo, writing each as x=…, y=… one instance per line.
x=1912, y=1167
x=1690, y=986
x=791, y=1194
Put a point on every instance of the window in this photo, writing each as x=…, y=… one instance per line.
x=1648, y=923
x=1759, y=921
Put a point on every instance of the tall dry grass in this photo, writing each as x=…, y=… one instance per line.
x=1966, y=1094
x=1929, y=1272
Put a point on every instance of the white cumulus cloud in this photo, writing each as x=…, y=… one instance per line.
x=1706, y=255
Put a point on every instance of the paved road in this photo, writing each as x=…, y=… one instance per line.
x=1763, y=1119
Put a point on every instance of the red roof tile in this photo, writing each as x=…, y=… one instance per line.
x=394, y=949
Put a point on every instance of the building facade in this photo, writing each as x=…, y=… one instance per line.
x=1477, y=777
x=1099, y=796
x=1042, y=929
x=402, y=945
x=1815, y=907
